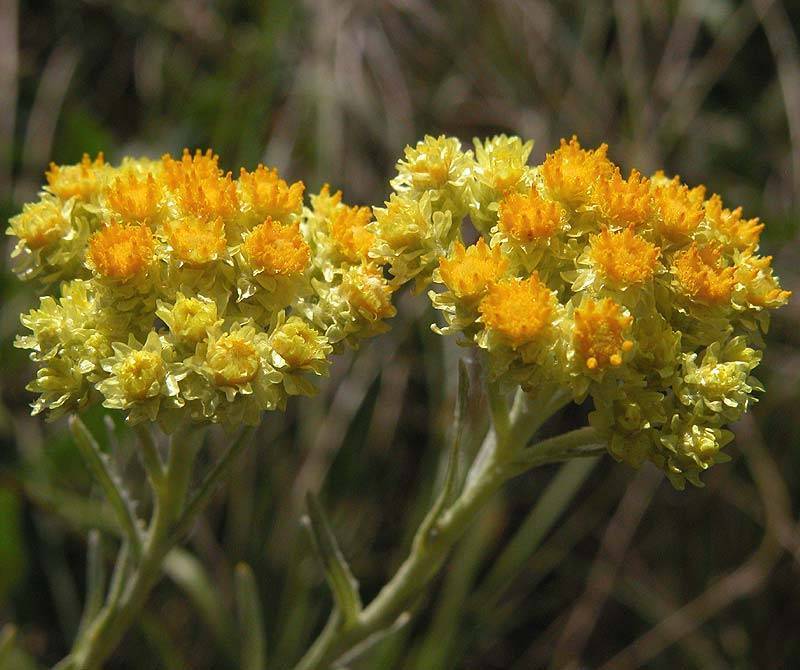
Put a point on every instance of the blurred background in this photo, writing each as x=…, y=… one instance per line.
x=593, y=565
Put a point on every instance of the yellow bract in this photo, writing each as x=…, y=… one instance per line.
x=268, y=195
x=196, y=241
x=526, y=218
x=469, y=272
x=190, y=318
x=518, y=309
x=570, y=172
x=121, y=252
x=365, y=288
x=277, y=249
x=599, y=334
x=75, y=181
x=701, y=276
x=350, y=234
x=232, y=360
x=624, y=257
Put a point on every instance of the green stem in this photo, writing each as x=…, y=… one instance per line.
x=496, y=463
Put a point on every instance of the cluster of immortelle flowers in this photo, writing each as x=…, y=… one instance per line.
x=643, y=293
x=184, y=291
x=175, y=290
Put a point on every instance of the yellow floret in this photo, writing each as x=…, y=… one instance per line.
x=121, y=252
x=623, y=202
x=39, y=224
x=79, y=181
x=366, y=289
x=232, y=360
x=518, y=309
x=624, y=257
x=469, y=272
x=133, y=198
x=570, y=172
x=277, y=249
x=269, y=195
x=526, y=218
x=141, y=374
x=350, y=234
x=190, y=318
x=195, y=241
x=599, y=333
x=679, y=210
x=701, y=276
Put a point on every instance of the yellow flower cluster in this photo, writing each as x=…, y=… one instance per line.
x=639, y=292
x=174, y=290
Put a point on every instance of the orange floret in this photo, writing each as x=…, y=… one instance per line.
x=349, y=232
x=121, y=252
x=526, y=218
x=207, y=196
x=469, y=272
x=78, y=181
x=622, y=202
x=679, y=210
x=134, y=199
x=701, y=276
x=599, y=333
x=196, y=241
x=518, y=309
x=269, y=195
x=730, y=226
x=277, y=249
x=200, y=165
x=624, y=257
x=570, y=172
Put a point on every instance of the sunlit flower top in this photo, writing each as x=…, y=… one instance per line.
x=641, y=293
x=174, y=291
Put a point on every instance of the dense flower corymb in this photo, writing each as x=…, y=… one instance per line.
x=187, y=294
x=640, y=292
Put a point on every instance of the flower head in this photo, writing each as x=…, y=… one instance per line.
x=518, y=309
x=121, y=252
x=277, y=249
x=81, y=181
x=624, y=258
x=266, y=195
x=527, y=218
x=622, y=203
x=350, y=234
x=599, y=334
x=134, y=199
x=701, y=275
x=470, y=271
x=196, y=241
x=570, y=172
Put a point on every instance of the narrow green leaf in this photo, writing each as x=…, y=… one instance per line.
x=551, y=505
x=343, y=585
x=190, y=575
x=95, y=580
x=100, y=467
x=451, y=479
x=251, y=620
